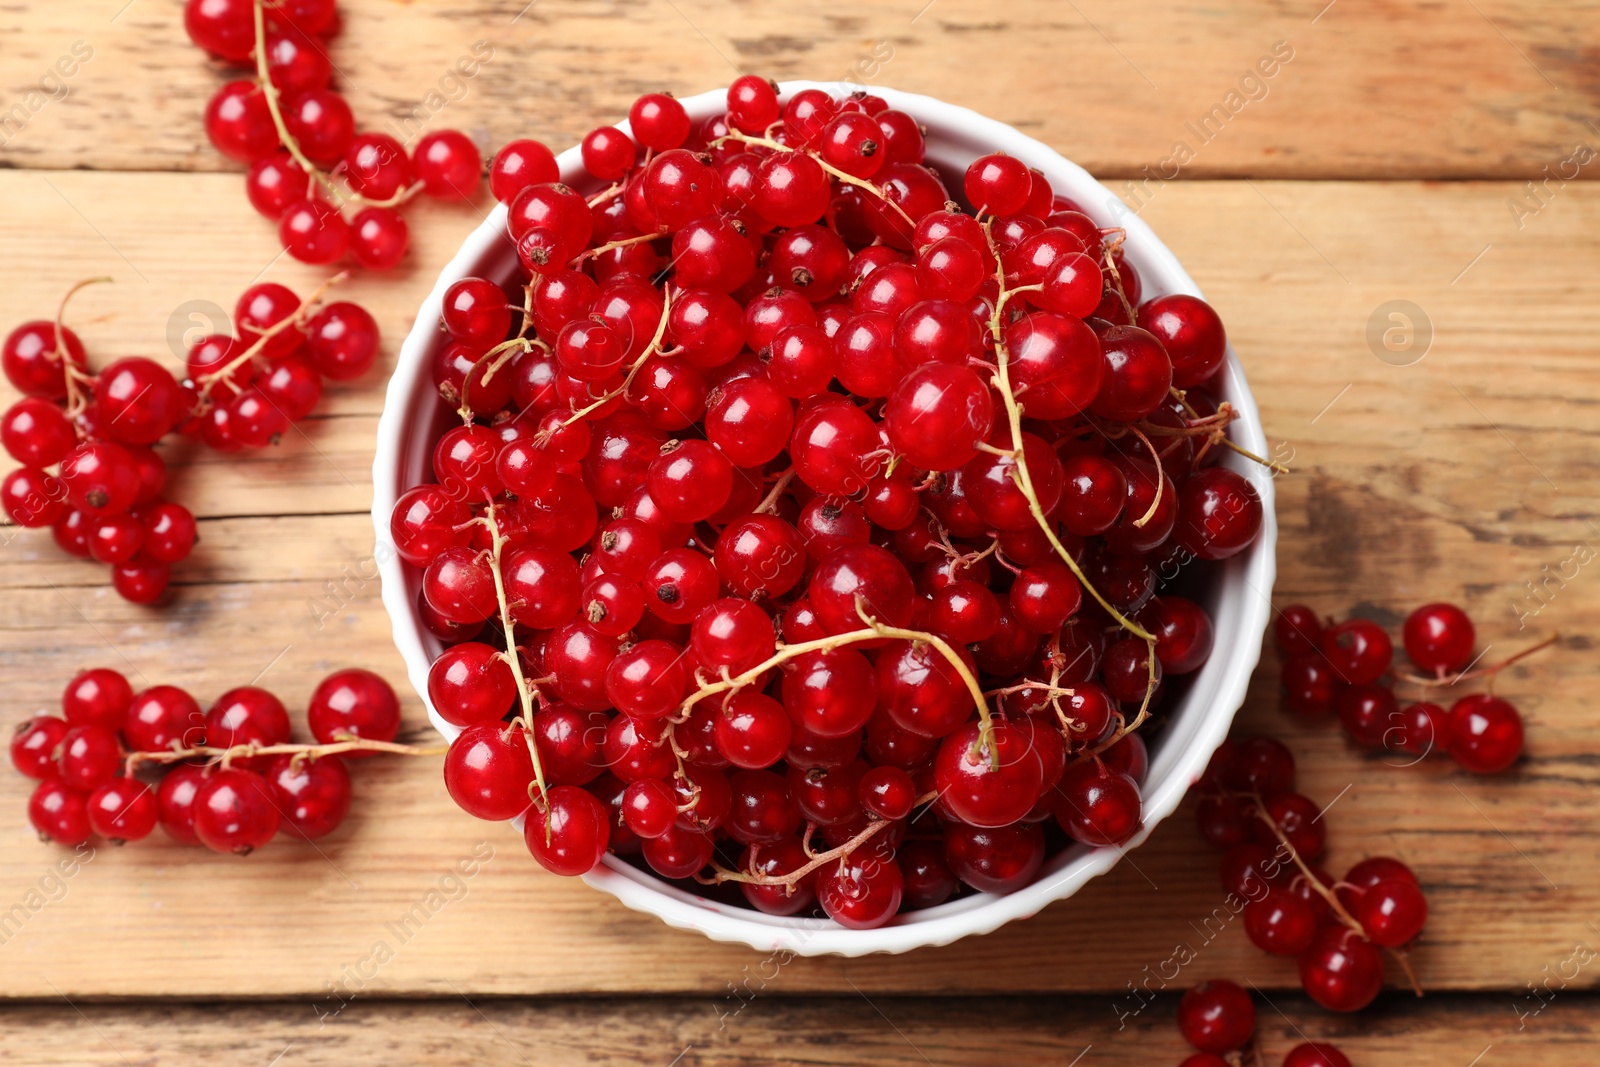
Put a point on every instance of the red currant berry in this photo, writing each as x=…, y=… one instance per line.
x=175, y=801
x=488, y=771
x=1097, y=806
x=97, y=697
x=59, y=813
x=342, y=339
x=1190, y=331
x=1341, y=970
x=860, y=892
x=234, y=811
x=520, y=164
x=569, y=833
x=161, y=718
x=89, y=755
x=311, y=795
x=239, y=123
x=1358, y=651
x=353, y=703
x=1280, y=923
x=33, y=746
x=1484, y=733
x=36, y=432
x=1439, y=638
x=448, y=164
x=1393, y=912
x=1315, y=1054
x=122, y=810
x=321, y=121
x=997, y=184
x=1217, y=1016
x=1297, y=631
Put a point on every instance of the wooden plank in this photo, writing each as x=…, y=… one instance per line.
x=699, y=1032
x=1404, y=89
x=1436, y=479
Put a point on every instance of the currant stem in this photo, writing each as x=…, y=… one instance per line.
x=497, y=542
x=1324, y=891
x=770, y=501
x=600, y=250
x=821, y=859
x=1481, y=672
x=873, y=631
x=651, y=349
x=496, y=357
x=252, y=748
x=75, y=400
x=848, y=179
x=270, y=91
x=206, y=381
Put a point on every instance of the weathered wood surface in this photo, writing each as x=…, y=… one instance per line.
x=1411, y=88
x=463, y=1031
x=1463, y=475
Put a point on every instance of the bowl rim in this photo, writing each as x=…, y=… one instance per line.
x=1223, y=680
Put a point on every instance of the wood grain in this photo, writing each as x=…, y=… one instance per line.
x=458, y=1031
x=1410, y=88
x=1459, y=476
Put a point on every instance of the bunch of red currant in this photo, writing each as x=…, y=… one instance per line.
x=99, y=430
x=1340, y=667
x=1272, y=837
x=229, y=776
x=803, y=500
x=1218, y=1017
x=308, y=166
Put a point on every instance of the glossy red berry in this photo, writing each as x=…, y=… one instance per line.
x=353, y=703
x=161, y=718
x=448, y=164
x=1315, y=1054
x=488, y=771
x=1439, y=638
x=1358, y=651
x=234, y=811
x=59, y=813
x=1297, y=630
x=1341, y=970
x=1484, y=734
x=1217, y=1016
x=569, y=832
x=33, y=746
x=97, y=697
x=312, y=795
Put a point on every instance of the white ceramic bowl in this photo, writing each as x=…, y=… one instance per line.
x=1239, y=604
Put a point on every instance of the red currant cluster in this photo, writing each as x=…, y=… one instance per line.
x=99, y=430
x=1340, y=667
x=1272, y=837
x=308, y=166
x=777, y=455
x=230, y=778
x=1218, y=1017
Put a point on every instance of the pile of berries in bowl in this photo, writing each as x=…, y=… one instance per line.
x=879, y=536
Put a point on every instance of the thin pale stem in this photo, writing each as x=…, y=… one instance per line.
x=818, y=860
x=1481, y=672
x=497, y=543
x=270, y=92
x=651, y=349
x=1326, y=892
x=848, y=179
x=770, y=501
x=1024, y=479
x=251, y=748
x=75, y=401
x=298, y=319
x=873, y=631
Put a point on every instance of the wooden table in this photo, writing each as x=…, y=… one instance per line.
x=1389, y=159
